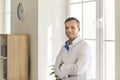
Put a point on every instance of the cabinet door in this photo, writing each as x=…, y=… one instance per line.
x=17, y=57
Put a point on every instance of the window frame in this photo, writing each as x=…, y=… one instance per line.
x=5, y=14
x=100, y=23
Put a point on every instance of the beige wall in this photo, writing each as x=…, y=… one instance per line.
x=49, y=21
x=117, y=35
x=30, y=26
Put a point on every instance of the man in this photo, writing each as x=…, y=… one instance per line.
x=73, y=61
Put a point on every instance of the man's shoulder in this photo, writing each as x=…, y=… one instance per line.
x=83, y=43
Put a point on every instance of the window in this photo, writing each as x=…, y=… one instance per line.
x=98, y=29
x=4, y=16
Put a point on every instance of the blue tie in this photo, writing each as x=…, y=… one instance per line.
x=66, y=46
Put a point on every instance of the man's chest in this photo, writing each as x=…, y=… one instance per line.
x=70, y=56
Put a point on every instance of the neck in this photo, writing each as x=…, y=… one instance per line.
x=70, y=41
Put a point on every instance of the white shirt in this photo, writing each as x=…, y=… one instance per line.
x=73, y=64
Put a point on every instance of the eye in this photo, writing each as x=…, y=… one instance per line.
x=72, y=27
x=66, y=27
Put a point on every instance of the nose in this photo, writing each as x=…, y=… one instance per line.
x=69, y=30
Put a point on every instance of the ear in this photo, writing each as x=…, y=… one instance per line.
x=79, y=28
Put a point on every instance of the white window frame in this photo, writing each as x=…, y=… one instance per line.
x=100, y=23
x=5, y=28
x=99, y=40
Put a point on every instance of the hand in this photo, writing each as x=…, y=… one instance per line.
x=71, y=76
x=76, y=61
x=61, y=65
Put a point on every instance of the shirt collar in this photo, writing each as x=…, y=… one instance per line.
x=73, y=42
x=76, y=40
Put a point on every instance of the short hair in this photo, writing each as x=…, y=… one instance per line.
x=73, y=18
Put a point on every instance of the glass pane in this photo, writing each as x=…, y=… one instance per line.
x=76, y=11
x=7, y=6
x=89, y=20
x=74, y=1
x=1, y=23
x=110, y=20
x=1, y=5
x=89, y=0
x=92, y=44
x=7, y=23
x=110, y=60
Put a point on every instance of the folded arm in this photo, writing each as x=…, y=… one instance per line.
x=80, y=65
x=57, y=67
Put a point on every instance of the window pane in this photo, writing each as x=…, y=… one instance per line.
x=4, y=16
x=92, y=44
x=89, y=0
x=2, y=6
x=110, y=60
x=110, y=20
x=7, y=23
x=76, y=11
x=74, y=1
x=89, y=19
x=7, y=5
x=1, y=23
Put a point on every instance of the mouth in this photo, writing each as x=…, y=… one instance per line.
x=70, y=35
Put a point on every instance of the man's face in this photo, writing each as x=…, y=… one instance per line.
x=71, y=29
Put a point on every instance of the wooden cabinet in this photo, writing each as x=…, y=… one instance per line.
x=14, y=57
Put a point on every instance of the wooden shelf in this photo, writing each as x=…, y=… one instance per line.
x=15, y=47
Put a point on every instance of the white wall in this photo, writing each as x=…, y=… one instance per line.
x=30, y=26
x=117, y=37
x=52, y=14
